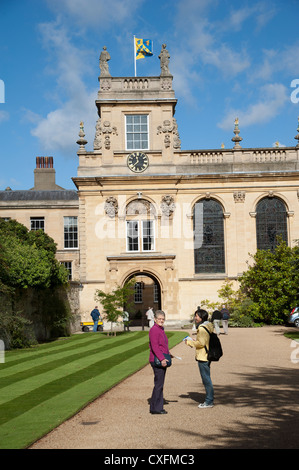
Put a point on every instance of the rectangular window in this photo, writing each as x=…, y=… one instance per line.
x=132, y=235
x=37, y=223
x=137, y=132
x=148, y=239
x=70, y=232
x=140, y=241
x=68, y=266
x=138, y=293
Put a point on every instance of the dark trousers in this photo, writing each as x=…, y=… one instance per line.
x=156, y=403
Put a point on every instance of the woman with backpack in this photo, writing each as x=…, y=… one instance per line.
x=201, y=345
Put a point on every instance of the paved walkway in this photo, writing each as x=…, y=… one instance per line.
x=256, y=402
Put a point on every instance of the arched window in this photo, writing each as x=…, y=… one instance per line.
x=140, y=226
x=271, y=222
x=208, y=237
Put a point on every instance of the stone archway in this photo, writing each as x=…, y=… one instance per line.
x=147, y=294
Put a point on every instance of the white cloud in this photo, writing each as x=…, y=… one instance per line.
x=260, y=12
x=101, y=14
x=4, y=116
x=282, y=62
x=59, y=129
x=274, y=97
x=68, y=64
x=204, y=43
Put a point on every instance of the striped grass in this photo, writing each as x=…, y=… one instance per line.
x=42, y=387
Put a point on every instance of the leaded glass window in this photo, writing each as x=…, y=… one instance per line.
x=271, y=222
x=208, y=237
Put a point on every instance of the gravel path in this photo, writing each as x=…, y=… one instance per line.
x=256, y=387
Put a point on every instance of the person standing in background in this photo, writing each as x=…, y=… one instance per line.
x=225, y=317
x=216, y=317
x=150, y=316
x=96, y=316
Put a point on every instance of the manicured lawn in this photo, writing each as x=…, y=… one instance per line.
x=293, y=335
x=43, y=386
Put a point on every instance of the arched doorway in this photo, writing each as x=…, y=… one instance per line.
x=147, y=294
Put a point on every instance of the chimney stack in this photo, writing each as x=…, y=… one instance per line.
x=44, y=175
x=44, y=162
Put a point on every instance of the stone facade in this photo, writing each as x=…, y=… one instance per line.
x=164, y=194
x=180, y=221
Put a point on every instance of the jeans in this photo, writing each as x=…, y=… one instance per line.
x=95, y=326
x=204, y=369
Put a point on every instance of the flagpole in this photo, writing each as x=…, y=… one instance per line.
x=135, y=55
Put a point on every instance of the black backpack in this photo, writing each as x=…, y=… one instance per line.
x=215, y=350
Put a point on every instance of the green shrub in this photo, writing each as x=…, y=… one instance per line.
x=16, y=331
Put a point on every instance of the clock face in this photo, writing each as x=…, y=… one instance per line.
x=138, y=162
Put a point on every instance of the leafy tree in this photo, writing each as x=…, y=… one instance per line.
x=113, y=302
x=28, y=258
x=30, y=270
x=272, y=283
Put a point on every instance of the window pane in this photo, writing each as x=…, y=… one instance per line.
x=208, y=237
x=70, y=232
x=37, y=223
x=271, y=222
x=132, y=236
x=137, y=131
x=138, y=293
x=147, y=235
x=68, y=266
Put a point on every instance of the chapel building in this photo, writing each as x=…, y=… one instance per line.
x=180, y=222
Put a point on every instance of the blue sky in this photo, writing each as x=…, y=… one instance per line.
x=228, y=59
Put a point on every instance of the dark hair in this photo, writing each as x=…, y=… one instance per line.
x=203, y=314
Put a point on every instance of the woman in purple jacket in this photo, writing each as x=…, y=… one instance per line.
x=158, y=343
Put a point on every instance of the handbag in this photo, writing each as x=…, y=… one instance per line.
x=157, y=362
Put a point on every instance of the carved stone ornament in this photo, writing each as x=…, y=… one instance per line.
x=170, y=128
x=105, y=84
x=140, y=207
x=111, y=207
x=167, y=205
x=239, y=196
x=105, y=130
x=166, y=84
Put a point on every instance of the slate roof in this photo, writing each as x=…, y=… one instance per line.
x=42, y=195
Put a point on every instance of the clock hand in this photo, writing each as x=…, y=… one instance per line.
x=136, y=162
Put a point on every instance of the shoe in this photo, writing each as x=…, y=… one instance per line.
x=163, y=412
x=205, y=405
